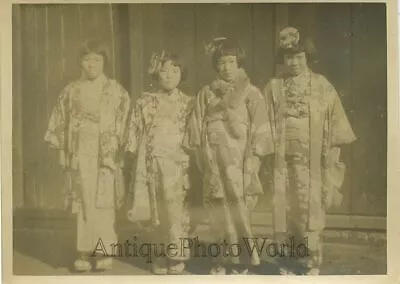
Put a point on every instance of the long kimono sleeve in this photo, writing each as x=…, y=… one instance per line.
x=135, y=129
x=192, y=138
x=121, y=118
x=341, y=131
x=57, y=131
x=268, y=94
x=269, y=104
x=121, y=121
x=260, y=145
x=113, y=117
x=260, y=133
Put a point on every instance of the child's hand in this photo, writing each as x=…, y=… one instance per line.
x=251, y=201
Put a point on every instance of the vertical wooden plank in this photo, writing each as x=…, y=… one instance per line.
x=86, y=18
x=72, y=42
x=125, y=27
x=100, y=24
x=105, y=31
x=303, y=16
x=35, y=169
x=206, y=29
x=33, y=90
x=54, y=47
x=264, y=60
x=118, y=32
x=55, y=50
x=178, y=37
x=18, y=184
x=153, y=40
x=28, y=102
x=281, y=21
x=135, y=13
x=46, y=55
x=369, y=103
x=80, y=21
x=62, y=40
x=45, y=176
x=41, y=99
x=334, y=46
x=263, y=39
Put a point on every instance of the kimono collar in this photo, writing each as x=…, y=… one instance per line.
x=301, y=77
x=222, y=87
x=234, y=93
x=298, y=84
x=99, y=80
x=174, y=95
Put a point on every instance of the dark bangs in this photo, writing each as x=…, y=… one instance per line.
x=307, y=46
x=229, y=48
x=176, y=61
x=94, y=46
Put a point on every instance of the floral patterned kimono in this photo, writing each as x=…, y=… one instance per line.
x=230, y=132
x=309, y=124
x=160, y=189
x=87, y=126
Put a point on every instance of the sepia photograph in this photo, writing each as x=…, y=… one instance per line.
x=199, y=139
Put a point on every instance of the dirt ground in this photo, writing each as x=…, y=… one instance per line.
x=51, y=252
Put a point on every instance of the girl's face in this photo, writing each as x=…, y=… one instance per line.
x=169, y=76
x=297, y=63
x=228, y=68
x=92, y=65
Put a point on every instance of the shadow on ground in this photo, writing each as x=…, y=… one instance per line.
x=57, y=250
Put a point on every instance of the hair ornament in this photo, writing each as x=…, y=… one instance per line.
x=156, y=62
x=289, y=37
x=215, y=44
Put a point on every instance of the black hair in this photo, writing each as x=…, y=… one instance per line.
x=176, y=61
x=94, y=46
x=226, y=48
x=304, y=45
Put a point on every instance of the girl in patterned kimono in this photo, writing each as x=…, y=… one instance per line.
x=309, y=126
x=160, y=189
x=230, y=134
x=87, y=126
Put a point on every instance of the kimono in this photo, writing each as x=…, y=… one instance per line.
x=161, y=184
x=229, y=132
x=87, y=126
x=309, y=123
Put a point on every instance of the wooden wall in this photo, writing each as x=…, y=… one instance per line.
x=47, y=39
x=185, y=28
x=350, y=38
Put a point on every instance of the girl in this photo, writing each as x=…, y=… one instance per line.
x=87, y=126
x=161, y=183
x=310, y=125
x=230, y=134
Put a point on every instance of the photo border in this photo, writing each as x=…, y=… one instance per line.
x=393, y=166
